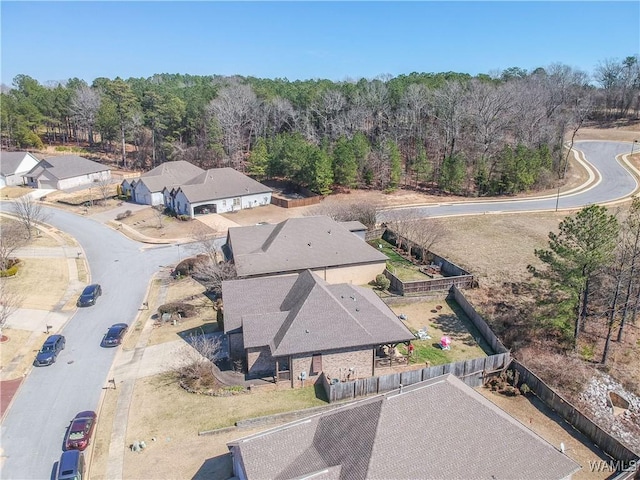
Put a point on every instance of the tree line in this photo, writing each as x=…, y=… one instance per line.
x=482, y=135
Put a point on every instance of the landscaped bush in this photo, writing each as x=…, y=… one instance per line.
x=184, y=218
x=123, y=215
x=12, y=268
x=184, y=309
x=187, y=266
x=382, y=282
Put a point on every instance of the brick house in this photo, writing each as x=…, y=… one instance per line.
x=295, y=327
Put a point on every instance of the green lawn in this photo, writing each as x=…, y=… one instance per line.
x=397, y=264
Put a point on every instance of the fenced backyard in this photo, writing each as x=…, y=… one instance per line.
x=410, y=278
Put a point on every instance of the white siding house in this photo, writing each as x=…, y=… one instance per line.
x=148, y=188
x=218, y=190
x=13, y=165
x=66, y=171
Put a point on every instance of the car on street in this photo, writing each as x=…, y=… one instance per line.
x=79, y=432
x=51, y=347
x=114, y=335
x=70, y=466
x=89, y=295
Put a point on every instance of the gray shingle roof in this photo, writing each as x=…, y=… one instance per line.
x=10, y=161
x=169, y=174
x=436, y=429
x=220, y=183
x=67, y=166
x=308, y=316
x=297, y=244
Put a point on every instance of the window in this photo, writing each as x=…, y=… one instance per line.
x=236, y=202
x=316, y=363
x=224, y=203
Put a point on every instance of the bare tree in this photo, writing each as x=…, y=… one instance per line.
x=84, y=107
x=233, y=108
x=10, y=301
x=29, y=213
x=205, y=242
x=158, y=213
x=365, y=213
x=426, y=233
x=106, y=188
x=197, y=358
x=12, y=237
x=212, y=274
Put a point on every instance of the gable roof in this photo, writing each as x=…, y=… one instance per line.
x=306, y=314
x=66, y=166
x=440, y=428
x=169, y=174
x=297, y=244
x=10, y=161
x=220, y=183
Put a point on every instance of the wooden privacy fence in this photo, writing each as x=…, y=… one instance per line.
x=477, y=320
x=430, y=285
x=471, y=372
x=575, y=417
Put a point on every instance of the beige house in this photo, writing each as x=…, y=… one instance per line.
x=318, y=243
x=295, y=327
x=66, y=171
x=436, y=429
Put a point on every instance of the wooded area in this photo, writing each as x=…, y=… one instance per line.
x=447, y=131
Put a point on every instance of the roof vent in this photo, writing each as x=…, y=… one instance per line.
x=309, y=243
x=306, y=331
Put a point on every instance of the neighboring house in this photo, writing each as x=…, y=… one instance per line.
x=218, y=190
x=295, y=327
x=317, y=243
x=147, y=189
x=66, y=171
x=440, y=428
x=13, y=166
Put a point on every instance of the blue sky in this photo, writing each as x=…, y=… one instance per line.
x=302, y=40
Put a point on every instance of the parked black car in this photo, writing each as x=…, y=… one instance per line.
x=49, y=351
x=114, y=335
x=89, y=295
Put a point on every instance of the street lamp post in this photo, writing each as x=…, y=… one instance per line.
x=633, y=144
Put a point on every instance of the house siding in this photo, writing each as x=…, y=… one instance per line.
x=83, y=179
x=142, y=195
x=260, y=362
x=357, y=274
x=335, y=364
x=16, y=178
x=236, y=345
x=222, y=205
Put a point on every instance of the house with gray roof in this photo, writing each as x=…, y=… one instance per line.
x=66, y=171
x=436, y=429
x=148, y=188
x=13, y=165
x=316, y=243
x=218, y=190
x=295, y=327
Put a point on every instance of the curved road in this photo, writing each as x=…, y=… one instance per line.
x=613, y=183
x=33, y=429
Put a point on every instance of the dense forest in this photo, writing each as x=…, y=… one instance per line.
x=452, y=132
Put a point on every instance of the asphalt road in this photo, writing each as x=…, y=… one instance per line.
x=614, y=183
x=34, y=428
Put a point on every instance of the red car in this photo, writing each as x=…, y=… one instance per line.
x=80, y=431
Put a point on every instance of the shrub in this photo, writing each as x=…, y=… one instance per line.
x=382, y=282
x=183, y=309
x=123, y=215
x=184, y=218
x=9, y=272
x=187, y=266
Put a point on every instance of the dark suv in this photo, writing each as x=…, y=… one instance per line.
x=49, y=351
x=89, y=295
